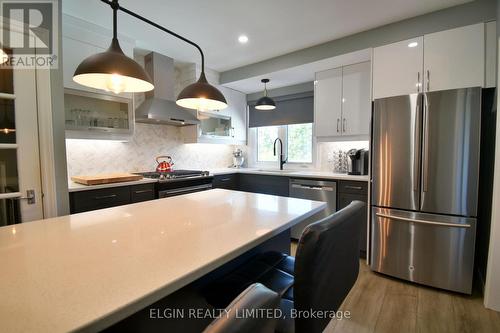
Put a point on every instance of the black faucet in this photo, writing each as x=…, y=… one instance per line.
x=282, y=159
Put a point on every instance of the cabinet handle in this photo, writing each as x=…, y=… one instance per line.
x=353, y=187
x=338, y=123
x=111, y=196
x=143, y=191
x=428, y=80
x=344, y=125
x=225, y=179
x=418, y=82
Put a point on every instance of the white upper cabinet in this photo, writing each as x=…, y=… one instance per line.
x=328, y=103
x=455, y=58
x=450, y=59
x=356, y=102
x=237, y=110
x=398, y=68
x=342, y=104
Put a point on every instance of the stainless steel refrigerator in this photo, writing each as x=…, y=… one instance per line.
x=425, y=178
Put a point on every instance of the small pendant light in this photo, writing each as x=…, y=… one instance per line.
x=265, y=103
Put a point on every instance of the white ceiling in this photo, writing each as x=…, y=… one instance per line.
x=274, y=27
x=298, y=74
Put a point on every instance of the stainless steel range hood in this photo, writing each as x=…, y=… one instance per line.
x=159, y=106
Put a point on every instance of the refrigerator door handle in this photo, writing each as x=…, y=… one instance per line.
x=425, y=157
x=416, y=148
x=443, y=224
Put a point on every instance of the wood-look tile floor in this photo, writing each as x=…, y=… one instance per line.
x=381, y=304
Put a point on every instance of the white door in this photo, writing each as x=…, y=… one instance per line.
x=356, y=102
x=328, y=103
x=455, y=58
x=20, y=184
x=398, y=68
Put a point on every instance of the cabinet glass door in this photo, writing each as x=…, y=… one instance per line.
x=20, y=185
x=215, y=125
x=91, y=111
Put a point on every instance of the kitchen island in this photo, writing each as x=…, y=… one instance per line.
x=88, y=271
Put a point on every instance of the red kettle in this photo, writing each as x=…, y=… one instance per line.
x=165, y=164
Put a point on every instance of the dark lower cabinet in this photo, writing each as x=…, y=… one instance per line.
x=228, y=182
x=83, y=201
x=143, y=192
x=275, y=185
x=349, y=191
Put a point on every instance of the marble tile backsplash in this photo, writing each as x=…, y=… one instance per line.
x=87, y=157
x=326, y=151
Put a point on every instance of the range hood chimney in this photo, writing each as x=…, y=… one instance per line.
x=159, y=106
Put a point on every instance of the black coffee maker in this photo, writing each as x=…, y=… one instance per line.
x=358, y=162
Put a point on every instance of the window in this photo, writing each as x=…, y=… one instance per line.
x=297, y=142
x=265, y=141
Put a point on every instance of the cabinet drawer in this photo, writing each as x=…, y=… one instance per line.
x=228, y=182
x=96, y=199
x=143, y=192
x=353, y=187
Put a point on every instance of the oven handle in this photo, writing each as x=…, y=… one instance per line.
x=185, y=190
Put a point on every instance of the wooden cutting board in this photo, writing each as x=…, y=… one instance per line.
x=105, y=178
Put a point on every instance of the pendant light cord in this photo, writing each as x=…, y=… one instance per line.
x=115, y=6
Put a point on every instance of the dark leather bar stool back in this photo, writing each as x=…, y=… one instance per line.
x=253, y=298
x=327, y=264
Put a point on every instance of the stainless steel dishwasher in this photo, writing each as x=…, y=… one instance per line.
x=318, y=190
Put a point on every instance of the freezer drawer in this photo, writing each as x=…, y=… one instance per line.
x=434, y=250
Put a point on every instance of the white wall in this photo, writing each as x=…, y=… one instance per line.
x=492, y=287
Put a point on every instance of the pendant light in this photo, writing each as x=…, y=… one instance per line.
x=265, y=103
x=114, y=71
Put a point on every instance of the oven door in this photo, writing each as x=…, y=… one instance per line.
x=183, y=190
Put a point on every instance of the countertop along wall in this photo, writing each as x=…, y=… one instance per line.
x=87, y=157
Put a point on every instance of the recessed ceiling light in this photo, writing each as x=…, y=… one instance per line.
x=243, y=39
x=413, y=44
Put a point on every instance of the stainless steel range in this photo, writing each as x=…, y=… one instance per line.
x=179, y=182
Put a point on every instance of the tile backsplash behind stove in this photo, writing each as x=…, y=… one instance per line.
x=87, y=157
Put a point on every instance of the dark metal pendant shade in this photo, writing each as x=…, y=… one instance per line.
x=265, y=103
x=202, y=96
x=113, y=71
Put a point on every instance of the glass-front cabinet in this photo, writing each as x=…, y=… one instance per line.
x=215, y=125
x=9, y=180
x=97, y=116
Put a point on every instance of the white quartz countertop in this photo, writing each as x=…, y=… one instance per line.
x=75, y=187
x=87, y=271
x=291, y=173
